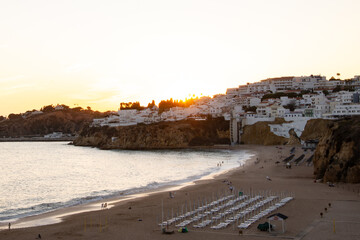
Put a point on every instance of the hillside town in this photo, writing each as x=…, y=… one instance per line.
x=296, y=99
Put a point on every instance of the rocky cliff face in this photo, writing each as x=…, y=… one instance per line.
x=293, y=139
x=66, y=121
x=315, y=129
x=337, y=156
x=164, y=135
x=259, y=133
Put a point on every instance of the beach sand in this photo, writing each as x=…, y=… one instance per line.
x=138, y=217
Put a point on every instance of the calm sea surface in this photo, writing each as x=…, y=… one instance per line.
x=38, y=177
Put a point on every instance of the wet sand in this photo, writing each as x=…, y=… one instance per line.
x=138, y=216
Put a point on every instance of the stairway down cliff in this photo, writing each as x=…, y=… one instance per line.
x=163, y=135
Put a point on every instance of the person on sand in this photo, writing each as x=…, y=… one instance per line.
x=288, y=165
x=9, y=226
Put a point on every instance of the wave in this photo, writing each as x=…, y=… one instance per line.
x=17, y=213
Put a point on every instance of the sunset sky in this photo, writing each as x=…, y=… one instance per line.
x=100, y=53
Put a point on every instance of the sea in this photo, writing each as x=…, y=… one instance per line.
x=40, y=177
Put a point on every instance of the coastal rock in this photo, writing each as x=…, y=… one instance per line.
x=259, y=133
x=337, y=156
x=163, y=135
x=293, y=139
x=66, y=121
x=315, y=129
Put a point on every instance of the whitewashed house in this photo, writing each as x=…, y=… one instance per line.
x=318, y=99
x=344, y=97
x=59, y=107
x=321, y=109
x=344, y=110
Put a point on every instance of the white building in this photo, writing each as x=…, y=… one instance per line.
x=232, y=92
x=56, y=135
x=307, y=101
x=281, y=83
x=321, y=109
x=308, y=82
x=344, y=97
x=346, y=110
x=318, y=99
x=59, y=107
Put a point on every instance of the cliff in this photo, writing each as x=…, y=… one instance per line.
x=66, y=121
x=260, y=134
x=315, y=129
x=163, y=135
x=337, y=156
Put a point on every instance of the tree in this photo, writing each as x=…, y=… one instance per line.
x=337, y=89
x=152, y=104
x=349, y=88
x=65, y=106
x=131, y=105
x=13, y=116
x=326, y=92
x=291, y=106
x=304, y=92
x=49, y=108
x=278, y=95
x=165, y=105
x=77, y=109
x=249, y=109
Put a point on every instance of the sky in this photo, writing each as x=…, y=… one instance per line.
x=99, y=53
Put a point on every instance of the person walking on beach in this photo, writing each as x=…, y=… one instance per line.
x=9, y=226
x=231, y=188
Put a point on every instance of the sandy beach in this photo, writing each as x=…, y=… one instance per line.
x=138, y=217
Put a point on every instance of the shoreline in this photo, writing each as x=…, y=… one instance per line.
x=37, y=139
x=57, y=216
x=138, y=218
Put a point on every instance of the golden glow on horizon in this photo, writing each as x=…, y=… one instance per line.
x=93, y=54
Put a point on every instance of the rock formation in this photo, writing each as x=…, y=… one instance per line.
x=163, y=135
x=66, y=121
x=337, y=156
x=315, y=129
x=259, y=133
x=293, y=139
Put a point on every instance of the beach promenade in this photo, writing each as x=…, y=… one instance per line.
x=139, y=217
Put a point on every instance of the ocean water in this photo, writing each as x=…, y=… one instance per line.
x=39, y=177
